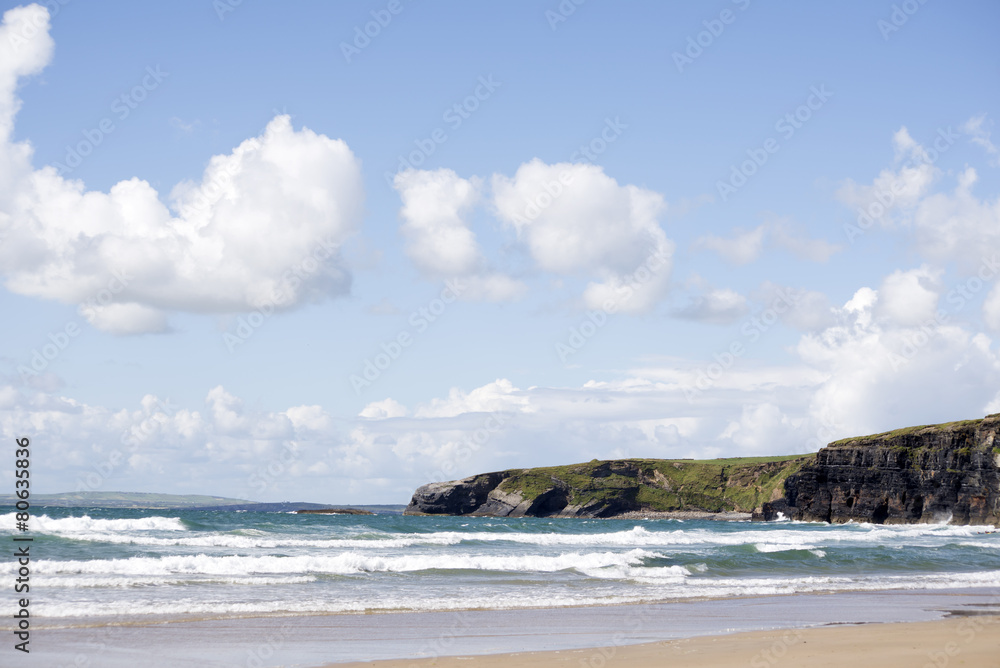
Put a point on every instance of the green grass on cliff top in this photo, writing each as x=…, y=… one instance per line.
x=887, y=435
x=735, y=484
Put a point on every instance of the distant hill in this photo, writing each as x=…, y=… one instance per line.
x=124, y=500
x=178, y=501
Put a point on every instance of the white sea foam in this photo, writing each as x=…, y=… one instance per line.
x=346, y=563
x=789, y=539
x=72, y=525
x=120, y=581
x=483, y=597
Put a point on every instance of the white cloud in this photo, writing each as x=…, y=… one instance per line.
x=810, y=310
x=944, y=227
x=991, y=308
x=25, y=49
x=126, y=319
x=745, y=246
x=890, y=371
x=436, y=207
x=720, y=307
x=380, y=410
x=815, y=250
x=978, y=129
x=500, y=395
x=248, y=233
x=910, y=298
x=900, y=188
x=957, y=226
x=576, y=220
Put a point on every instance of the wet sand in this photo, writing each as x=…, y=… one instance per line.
x=970, y=642
x=735, y=632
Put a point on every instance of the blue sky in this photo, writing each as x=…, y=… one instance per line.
x=214, y=217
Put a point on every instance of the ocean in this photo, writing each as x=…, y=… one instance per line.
x=112, y=564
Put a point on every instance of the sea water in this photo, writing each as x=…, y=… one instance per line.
x=157, y=564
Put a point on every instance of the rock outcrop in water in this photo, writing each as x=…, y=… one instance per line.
x=613, y=488
x=936, y=473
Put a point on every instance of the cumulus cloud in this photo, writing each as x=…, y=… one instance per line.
x=439, y=240
x=435, y=206
x=262, y=225
x=577, y=221
x=889, y=370
x=911, y=297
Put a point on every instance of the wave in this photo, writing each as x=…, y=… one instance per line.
x=770, y=538
x=347, y=563
x=480, y=596
x=71, y=525
x=122, y=581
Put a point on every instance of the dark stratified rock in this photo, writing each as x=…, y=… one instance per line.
x=948, y=472
x=456, y=497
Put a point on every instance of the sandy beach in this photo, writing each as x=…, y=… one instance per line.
x=856, y=629
x=970, y=642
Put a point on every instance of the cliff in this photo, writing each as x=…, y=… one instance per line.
x=613, y=488
x=935, y=473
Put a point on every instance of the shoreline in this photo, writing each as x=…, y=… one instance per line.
x=414, y=638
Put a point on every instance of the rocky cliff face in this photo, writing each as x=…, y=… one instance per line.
x=921, y=474
x=612, y=488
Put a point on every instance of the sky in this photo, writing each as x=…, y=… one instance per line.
x=330, y=252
